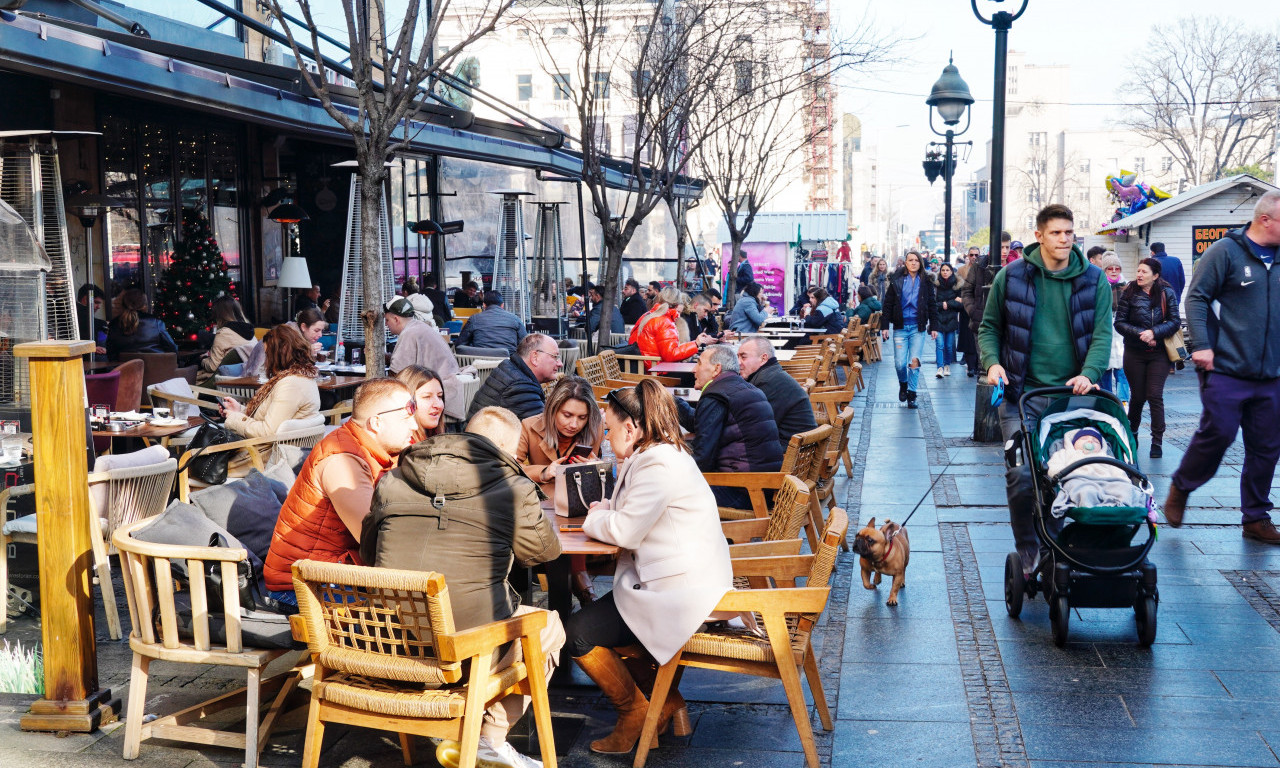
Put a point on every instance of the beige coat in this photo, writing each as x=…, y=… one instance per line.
x=224, y=341
x=674, y=566
x=293, y=397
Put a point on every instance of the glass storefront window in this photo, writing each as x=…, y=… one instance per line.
x=124, y=245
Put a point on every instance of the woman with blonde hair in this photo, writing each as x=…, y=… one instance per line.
x=672, y=570
x=569, y=429
x=428, y=396
x=657, y=334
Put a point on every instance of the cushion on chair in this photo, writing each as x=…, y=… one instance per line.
x=180, y=387
x=295, y=425
x=253, y=513
x=185, y=525
x=26, y=525
x=156, y=454
x=463, y=349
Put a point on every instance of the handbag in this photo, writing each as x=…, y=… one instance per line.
x=1176, y=347
x=578, y=486
x=211, y=469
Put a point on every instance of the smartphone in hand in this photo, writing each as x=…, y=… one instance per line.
x=580, y=453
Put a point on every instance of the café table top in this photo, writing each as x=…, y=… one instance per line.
x=688, y=394
x=576, y=542
x=672, y=367
x=331, y=382
x=784, y=355
x=148, y=431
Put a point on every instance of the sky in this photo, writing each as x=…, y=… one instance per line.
x=1096, y=38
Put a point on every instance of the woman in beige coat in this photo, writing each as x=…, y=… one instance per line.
x=290, y=393
x=234, y=330
x=674, y=565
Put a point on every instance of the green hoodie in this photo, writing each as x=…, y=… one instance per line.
x=1053, y=358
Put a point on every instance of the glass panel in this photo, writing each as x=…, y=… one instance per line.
x=119, y=152
x=156, y=146
x=225, y=197
x=189, y=12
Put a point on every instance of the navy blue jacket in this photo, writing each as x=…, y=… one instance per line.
x=792, y=411
x=1171, y=272
x=492, y=327
x=734, y=426
x=1245, y=334
x=149, y=336
x=511, y=386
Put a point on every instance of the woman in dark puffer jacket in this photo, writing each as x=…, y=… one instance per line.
x=1146, y=315
x=947, y=298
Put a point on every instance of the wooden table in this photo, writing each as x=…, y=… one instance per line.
x=148, y=432
x=676, y=368
x=576, y=542
x=690, y=394
x=94, y=366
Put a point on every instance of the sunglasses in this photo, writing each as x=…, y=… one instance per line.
x=612, y=398
x=411, y=408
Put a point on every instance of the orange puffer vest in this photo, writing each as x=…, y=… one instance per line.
x=308, y=527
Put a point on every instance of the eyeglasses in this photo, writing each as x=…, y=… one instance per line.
x=410, y=408
x=555, y=354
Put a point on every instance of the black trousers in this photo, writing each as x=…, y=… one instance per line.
x=597, y=625
x=1147, y=370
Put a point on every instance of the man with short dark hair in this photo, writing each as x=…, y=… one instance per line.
x=616, y=323
x=633, y=305
x=732, y=422
x=466, y=297
x=651, y=293
x=98, y=335
x=324, y=514
x=516, y=384
x=792, y=411
x=493, y=327
x=977, y=283
x=1233, y=313
x=745, y=275
x=1095, y=255
x=1170, y=269
x=1047, y=323
x=699, y=318
x=439, y=302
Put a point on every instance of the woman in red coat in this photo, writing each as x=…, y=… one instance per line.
x=656, y=332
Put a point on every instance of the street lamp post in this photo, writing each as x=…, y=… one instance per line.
x=1001, y=22
x=951, y=99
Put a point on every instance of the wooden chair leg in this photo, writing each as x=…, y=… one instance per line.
x=815, y=520
x=315, y=734
x=790, y=676
x=815, y=687
x=536, y=664
x=253, y=689
x=473, y=711
x=102, y=567
x=137, y=705
x=657, y=698
x=4, y=581
x=406, y=748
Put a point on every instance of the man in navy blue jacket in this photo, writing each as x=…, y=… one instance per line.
x=1170, y=269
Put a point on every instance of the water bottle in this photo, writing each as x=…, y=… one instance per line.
x=340, y=357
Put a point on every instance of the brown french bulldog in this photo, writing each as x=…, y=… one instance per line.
x=884, y=551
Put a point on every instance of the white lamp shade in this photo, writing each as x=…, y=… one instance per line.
x=294, y=274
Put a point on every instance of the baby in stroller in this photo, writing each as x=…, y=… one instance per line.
x=1095, y=484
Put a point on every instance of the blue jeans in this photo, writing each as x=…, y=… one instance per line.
x=908, y=345
x=1114, y=381
x=945, y=348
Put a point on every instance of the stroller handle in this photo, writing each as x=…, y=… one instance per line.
x=1050, y=391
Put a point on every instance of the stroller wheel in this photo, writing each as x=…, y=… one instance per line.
x=1144, y=612
x=1059, y=618
x=1015, y=585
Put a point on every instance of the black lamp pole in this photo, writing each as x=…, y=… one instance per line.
x=1001, y=21
x=950, y=98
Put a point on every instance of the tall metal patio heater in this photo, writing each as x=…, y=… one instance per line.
x=24, y=269
x=31, y=182
x=548, y=270
x=950, y=99
x=350, y=324
x=511, y=262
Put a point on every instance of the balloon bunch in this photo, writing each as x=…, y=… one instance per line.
x=1130, y=195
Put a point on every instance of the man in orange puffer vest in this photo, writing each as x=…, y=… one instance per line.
x=322, y=517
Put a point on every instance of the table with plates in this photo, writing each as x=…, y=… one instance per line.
x=150, y=431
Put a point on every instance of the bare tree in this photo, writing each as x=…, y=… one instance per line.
x=389, y=69
x=669, y=57
x=1204, y=89
x=1044, y=176
x=755, y=122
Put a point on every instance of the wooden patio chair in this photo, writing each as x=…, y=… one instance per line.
x=779, y=534
x=803, y=369
x=202, y=397
x=631, y=368
x=133, y=493
x=388, y=657
x=260, y=450
x=788, y=615
x=151, y=587
x=754, y=483
x=837, y=450
x=827, y=407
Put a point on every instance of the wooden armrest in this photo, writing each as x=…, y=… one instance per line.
x=788, y=600
x=776, y=566
x=473, y=642
x=740, y=531
x=11, y=492
x=752, y=549
x=123, y=540
x=298, y=626
x=645, y=358
x=745, y=479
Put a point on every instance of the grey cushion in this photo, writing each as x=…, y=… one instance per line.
x=463, y=349
x=186, y=525
x=216, y=501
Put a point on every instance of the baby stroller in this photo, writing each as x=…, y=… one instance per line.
x=1093, y=561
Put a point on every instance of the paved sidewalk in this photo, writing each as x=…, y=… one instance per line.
x=944, y=679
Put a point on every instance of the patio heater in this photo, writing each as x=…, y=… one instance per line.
x=31, y=183
x=350, y=326
x=548, y=270
x=511, y=263
x=24, y=272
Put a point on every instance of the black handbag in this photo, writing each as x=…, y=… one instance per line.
x=210, y=469
x=578, y=485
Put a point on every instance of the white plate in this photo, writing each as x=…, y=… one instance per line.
x=168, y=422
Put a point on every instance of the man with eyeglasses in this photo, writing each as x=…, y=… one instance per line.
x=516, y=384
x=322, y=517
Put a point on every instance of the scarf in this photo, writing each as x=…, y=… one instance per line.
x=307, y=371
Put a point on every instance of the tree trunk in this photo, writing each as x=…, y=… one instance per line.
x=613, y=266
x=375, y=338
x=731, y=279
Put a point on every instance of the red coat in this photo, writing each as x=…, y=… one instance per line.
x=309, y=527
x=660, y=338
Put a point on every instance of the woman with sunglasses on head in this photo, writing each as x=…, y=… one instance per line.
x=672, y=570
x=428, y=400
x=569, y=430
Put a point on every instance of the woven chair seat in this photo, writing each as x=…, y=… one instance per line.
x=735, y=643
x=353, y=661
x=731, y=513
x=396, y=699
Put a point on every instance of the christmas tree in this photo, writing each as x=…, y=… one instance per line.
x=196, y=276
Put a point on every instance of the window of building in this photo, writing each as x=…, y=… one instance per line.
x=1031, y=224
x=562, y=84
x=640, y=81
x=742, y=77
x=1084, y=166
x=1036, y=139
x=1011, y=80
x=1166, y=164
x=600, y=85
x=1139, y=164
x=559, y=31
x=524, y=87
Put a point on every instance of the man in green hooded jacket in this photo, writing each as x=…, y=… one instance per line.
x=1047, y=323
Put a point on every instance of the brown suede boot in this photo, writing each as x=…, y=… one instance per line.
x=605, y=667
x=1175, y=506
x=674, y=712
x=1261, y=530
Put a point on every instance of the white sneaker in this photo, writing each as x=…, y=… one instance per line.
x=502, y=755
x=946, y=371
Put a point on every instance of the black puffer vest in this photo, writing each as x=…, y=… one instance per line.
x=1019, y=313
x=749, y=442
